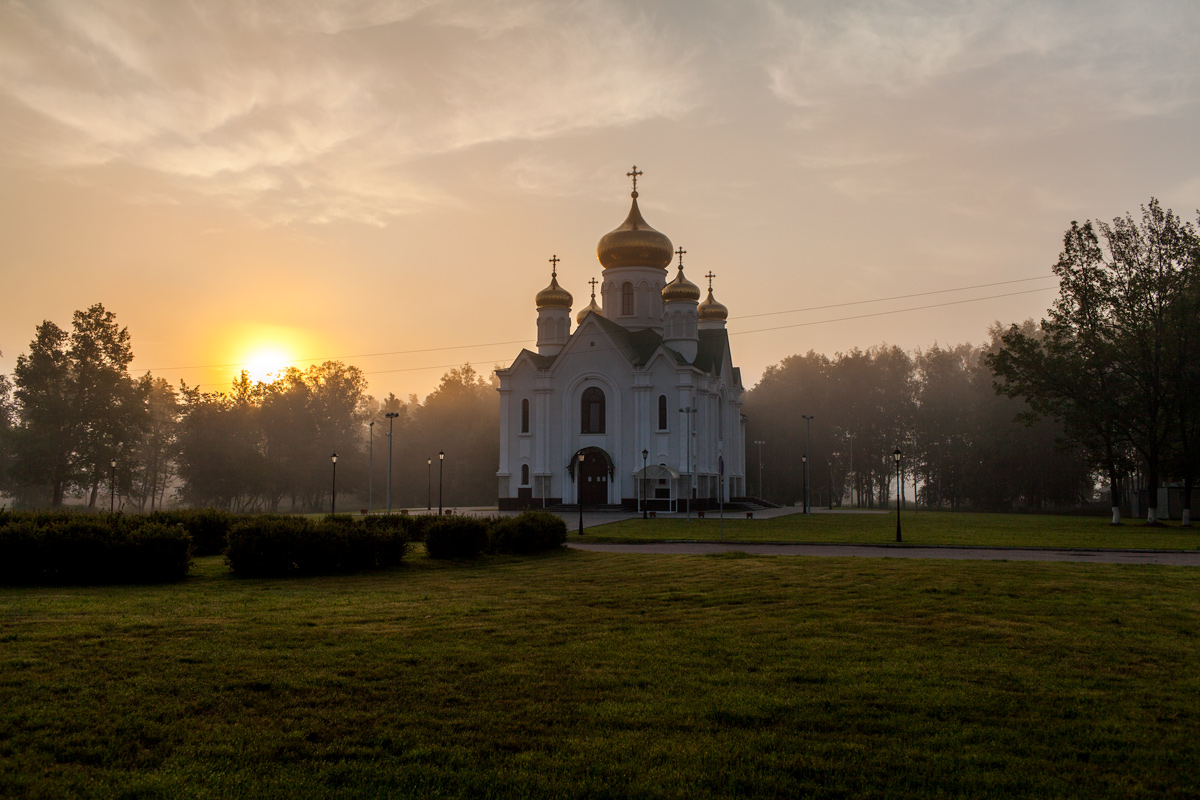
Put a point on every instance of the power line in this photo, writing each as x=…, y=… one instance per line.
x=314, y=360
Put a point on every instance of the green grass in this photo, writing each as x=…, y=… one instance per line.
x=601, y=675
x=923, y=528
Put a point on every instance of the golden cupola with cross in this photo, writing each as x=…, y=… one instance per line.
x=712, y=313
x=554, y=314
x=635, y=258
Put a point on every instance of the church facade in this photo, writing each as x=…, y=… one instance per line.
x=638, y=404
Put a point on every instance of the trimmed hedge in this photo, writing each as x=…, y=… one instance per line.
x=275, y=545
x=209, y=527
x=65, y=548
x=456, y=537
x=528, y=532
x=418, y=524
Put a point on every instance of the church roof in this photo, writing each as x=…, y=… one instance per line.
x=711, y=352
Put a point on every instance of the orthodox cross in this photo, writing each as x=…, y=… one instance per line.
x=593, y=282
x=554, y=259
x=680, y=253
x=710, y=275
x=634, y=174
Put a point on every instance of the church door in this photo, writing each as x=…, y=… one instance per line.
x=593, y=476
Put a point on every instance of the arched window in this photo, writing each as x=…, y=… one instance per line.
x=662, y=412
x=525, y=416
x=627, y=299
x=592, y=411
x=524, y=474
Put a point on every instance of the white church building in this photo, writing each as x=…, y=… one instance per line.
x=639, y=401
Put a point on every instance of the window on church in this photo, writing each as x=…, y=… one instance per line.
x=592, y=412
x=662, y=412
x=524, y=474
x=627, y=299
x=525, y=416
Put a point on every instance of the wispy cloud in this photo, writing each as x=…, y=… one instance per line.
x=317, y=111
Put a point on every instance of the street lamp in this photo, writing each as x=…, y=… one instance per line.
x=333, y=495
x=896, y=455
x=429, y=484
x=579, y=491
x=371, y=469
x=808, y=418
x=441, y=465
x=112, y=486
x=829, y=463
x=852, y=481
x=645, y=455
x=690, y=413
x=391, y=417
x=760, y=443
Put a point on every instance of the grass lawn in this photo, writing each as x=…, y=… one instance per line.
x=924, y=528
x=589, y=675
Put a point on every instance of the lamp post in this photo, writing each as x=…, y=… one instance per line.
x=429, y=484
x=760, y=443
x=804, y=462
x=690, y=412
x=645, y=455
x=829, y=463
x=333, y=494
x=441, y=465
x=896, y=455
x=851, y=435
x=371, y=469
x=579, y=491
x=808, y=418
x=391, y=417
x=112, y=486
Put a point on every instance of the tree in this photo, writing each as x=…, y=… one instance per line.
x=46, y=443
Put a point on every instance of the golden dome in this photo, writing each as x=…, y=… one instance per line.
x=680, y=289
x=591, y=307
x=711, y=309
x=634, y=244
x=554, y=296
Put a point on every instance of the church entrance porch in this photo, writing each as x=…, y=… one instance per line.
x=593, y=476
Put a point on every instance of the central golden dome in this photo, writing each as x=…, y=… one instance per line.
x=634, y=244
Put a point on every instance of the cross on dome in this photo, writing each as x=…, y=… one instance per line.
x=680, y=253
x=593, y=282
x=554, y=259
x=710, y=275
x=634, y=174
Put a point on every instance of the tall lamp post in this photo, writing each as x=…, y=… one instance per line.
x=579, y=491
x=690, y=412
x=112, y=486
x=441, y=465
x=896, y=455
x=391, y=417
x=371, y=469
x=645, y=455
x=851, y=435
x=760, y=443
x=808, y=418
x=429, y=484
x=333, y=494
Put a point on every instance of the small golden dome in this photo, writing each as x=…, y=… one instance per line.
x=634, y=244
x=554, y=296
x=592, y=307
x=680, y=289
x=710, y=309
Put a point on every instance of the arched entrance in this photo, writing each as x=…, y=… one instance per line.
x=593, y=476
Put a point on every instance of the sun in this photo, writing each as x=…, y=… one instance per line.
x=267, y=361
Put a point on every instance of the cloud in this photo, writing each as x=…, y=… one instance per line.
x=316, y=111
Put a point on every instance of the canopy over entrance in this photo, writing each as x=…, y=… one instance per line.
x=590, y=454
x=655, y=472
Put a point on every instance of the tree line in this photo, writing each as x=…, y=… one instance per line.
x=74, y=424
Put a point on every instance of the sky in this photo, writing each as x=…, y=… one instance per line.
x=383, y=183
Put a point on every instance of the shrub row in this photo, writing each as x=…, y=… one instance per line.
x=467, y=537
x=273, y=545
x=65, y=548
x=208, y=527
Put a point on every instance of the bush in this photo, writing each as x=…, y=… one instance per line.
x=273, y=545
x=528, y=532
x=456, y=537
x=73, y=549
x=208, y=527
x=418, y=524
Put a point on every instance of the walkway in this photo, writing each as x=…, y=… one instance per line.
x=1188, y=558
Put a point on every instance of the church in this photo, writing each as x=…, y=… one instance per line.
x=640, y=404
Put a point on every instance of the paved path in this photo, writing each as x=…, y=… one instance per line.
x=1190, y=558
